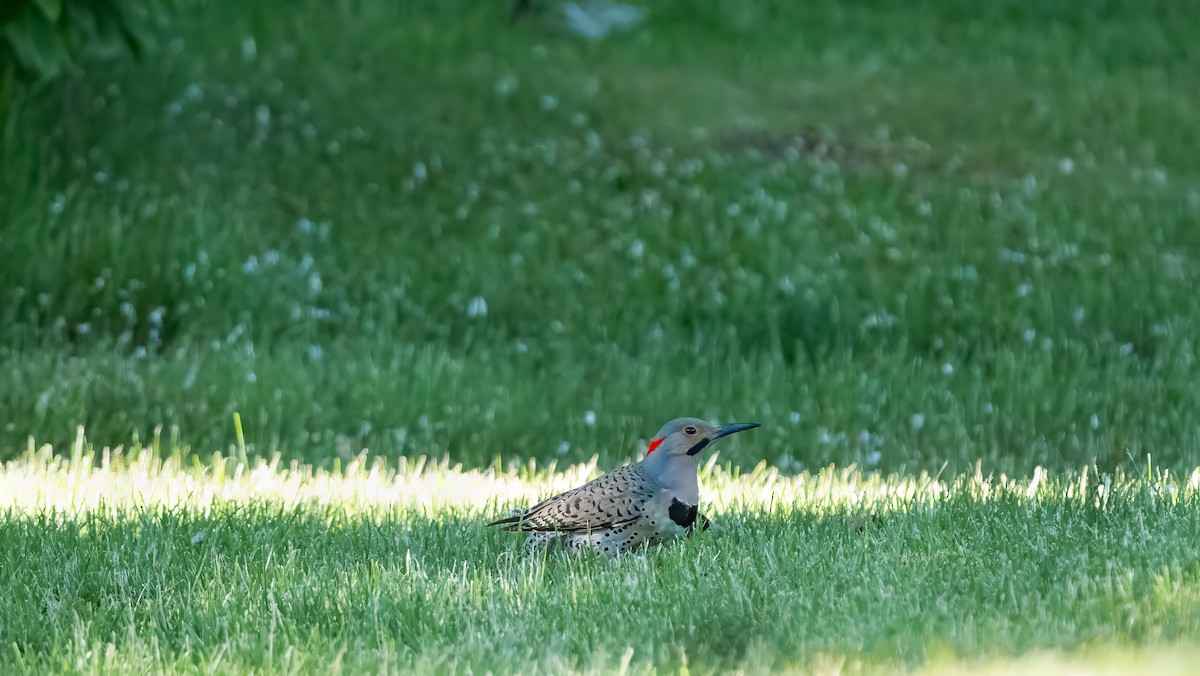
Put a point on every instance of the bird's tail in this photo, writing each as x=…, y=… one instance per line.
x=510, y=522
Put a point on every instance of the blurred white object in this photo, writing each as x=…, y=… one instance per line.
x=598, y=18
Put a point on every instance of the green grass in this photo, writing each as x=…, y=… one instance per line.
x=910, y=239
x=841, y=214
x=143, y=562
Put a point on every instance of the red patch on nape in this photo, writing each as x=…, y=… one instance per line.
x=653, y=445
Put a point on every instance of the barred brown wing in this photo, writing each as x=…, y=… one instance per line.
x=609, y=501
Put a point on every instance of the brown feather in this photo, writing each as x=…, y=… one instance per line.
x=609, y=501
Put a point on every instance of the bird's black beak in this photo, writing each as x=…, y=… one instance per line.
x=733, y=428
x=722, y=431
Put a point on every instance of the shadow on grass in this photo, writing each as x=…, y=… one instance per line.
x=768, y=588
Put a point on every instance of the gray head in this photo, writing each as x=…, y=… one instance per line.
x=690, y=436
x=674, y=453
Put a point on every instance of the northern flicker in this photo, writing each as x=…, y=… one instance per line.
x=652, y=500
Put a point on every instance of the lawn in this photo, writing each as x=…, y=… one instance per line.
x=929, y=246
x=141, y=562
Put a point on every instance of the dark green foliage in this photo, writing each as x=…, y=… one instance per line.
x=43, y=37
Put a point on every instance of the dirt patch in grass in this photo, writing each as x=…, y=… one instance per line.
x=856, y=155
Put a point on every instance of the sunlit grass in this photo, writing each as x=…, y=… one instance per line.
x=1102, y=661
x=145, y=559
x=90, y=480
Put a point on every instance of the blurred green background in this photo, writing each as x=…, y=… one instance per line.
x=907, y=235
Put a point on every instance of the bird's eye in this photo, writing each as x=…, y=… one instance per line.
x=689, y=429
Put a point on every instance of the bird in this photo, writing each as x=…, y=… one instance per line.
x=645, y=503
